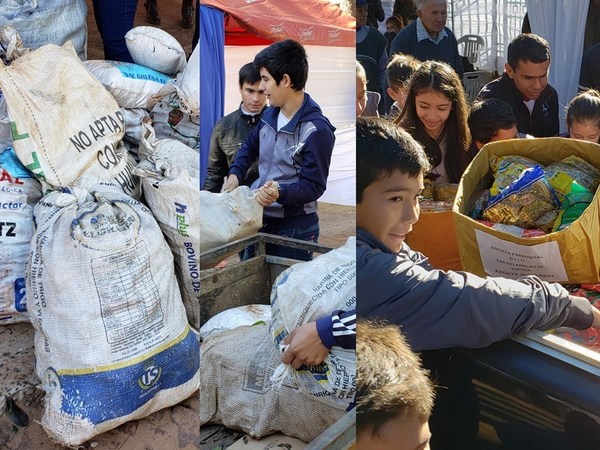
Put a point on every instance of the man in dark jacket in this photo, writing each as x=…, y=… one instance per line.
x=524, y=86
x=230, y=132
x=435, y=309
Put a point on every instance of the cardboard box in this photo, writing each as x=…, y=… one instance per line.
x=571, y=255
x=434, y=236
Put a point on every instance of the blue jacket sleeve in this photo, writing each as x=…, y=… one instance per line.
x=438, y=309
x=314, y=170
x=247, y=154
x=339, y=329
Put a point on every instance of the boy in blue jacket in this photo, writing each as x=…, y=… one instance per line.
x=435, y=309
x=293, y=144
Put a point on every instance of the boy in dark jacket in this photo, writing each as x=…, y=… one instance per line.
x=293, y=144
x=435, y=309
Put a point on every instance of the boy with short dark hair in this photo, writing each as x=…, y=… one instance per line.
x=394, y=396
x=398, y=74
x=435, y=309
x=293, y=144
x=491, y=120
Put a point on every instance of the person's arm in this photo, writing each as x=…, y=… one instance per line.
x=304, y=347
x=554, y=119
x=338, y=330
x=484, y=93
x=379, y=12
x=458, y=67
x=309, y=344
x=437, y=309
x=218, y=166
x=584, y=79
x=314, y=170
x=382, y=65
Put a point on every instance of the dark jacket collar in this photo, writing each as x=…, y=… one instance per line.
x=251, y=120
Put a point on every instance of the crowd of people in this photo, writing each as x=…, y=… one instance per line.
x=523, y=85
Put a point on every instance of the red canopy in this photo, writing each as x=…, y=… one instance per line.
x=310, y=22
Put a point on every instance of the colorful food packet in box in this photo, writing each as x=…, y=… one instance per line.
x=562, y=174
x=507, y=169
x=524, y=201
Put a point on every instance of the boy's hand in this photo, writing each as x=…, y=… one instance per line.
x=304, y=347
x=268, y=193
x=231, y=183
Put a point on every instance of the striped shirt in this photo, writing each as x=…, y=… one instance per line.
x=338, y=330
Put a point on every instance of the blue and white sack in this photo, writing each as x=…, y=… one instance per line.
x=304, y=293
x=112, y=341
x=67, y=128
x=48, y=22
x=19, y=192
x=170, y=178
x=132, y=85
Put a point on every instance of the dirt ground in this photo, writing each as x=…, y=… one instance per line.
x=171, y=428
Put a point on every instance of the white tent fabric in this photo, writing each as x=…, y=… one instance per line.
x=561, y=23
x=331, y=83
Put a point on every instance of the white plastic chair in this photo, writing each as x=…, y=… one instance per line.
x=474, y=81
x=472, y=45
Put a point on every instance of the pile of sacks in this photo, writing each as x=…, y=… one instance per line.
x=243, y=383
x=98, y=236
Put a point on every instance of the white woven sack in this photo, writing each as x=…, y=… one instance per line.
x=239, y=316
x=187, y=85
x=228, y=216
x=173, y=150
x=304, y=293
x=112, y=341
x=170, y=121
x=19, y=191
x=66, y=124
x=132, y=85
x=173, y=197
x=236, y=390
x=48, y=22
x=155, y=48
x=11, y=44
x=5, y=132
x=133, y=124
